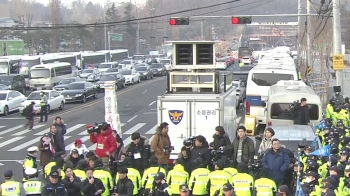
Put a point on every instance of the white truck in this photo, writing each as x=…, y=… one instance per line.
x=195, y=107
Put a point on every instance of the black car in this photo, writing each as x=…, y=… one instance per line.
x=65, y=82
x=158, y=69
x=80, y=91
x=14, y=82
x=112, y=70
x=145, y=72
x=116, y=77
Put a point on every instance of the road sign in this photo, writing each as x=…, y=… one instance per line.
x=116, y=37
x=142, y=41
x=338, y=62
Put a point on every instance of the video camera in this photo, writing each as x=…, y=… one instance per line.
x=294, y=106
x=117, y=164
x=216, y=152
x=255, y=166
x=189, y=142
x=168, y=149
x=94, y=129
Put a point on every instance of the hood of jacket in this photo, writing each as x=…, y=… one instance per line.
x=54, y=122
x=108, y=132
x=179, y=167
x=159, y=131
x=145, y=140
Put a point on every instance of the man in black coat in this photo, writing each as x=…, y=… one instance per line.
x=221, y=138
x=92, y=186
x=28, y=112
x=124, y=186
x=200, y=150
x=139, y=151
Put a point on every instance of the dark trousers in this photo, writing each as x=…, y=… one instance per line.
x=29, y=123
x=43, y=111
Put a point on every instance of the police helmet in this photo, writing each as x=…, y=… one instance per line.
x=30, y=172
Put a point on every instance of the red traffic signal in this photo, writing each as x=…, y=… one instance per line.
x=241, y=20
x=179, y=21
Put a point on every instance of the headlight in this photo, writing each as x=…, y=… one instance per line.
x=78, y=95
x=159, y=69
x=9, y=88
x=144, y=73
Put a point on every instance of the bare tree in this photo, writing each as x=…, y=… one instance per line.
x=55, y=19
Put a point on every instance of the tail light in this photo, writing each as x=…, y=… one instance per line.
x=247, y=108
x=171, y=162
x=269, y=123
x=238, y=90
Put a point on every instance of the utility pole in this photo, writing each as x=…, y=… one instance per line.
x=105, y=28
x=337, y=40
x=298, y=35
x=109, y=40
x=138, y=36
x=308, y=32
x=202, y=31
x=213, y=32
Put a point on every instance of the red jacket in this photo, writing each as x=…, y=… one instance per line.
x=105, y=142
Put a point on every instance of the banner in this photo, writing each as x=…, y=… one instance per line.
x=324, y=151
x=111, y=107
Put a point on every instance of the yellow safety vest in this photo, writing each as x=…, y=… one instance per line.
x=148, y=174
x=198, y=181
x=80, y=174
x=135, y=176
x=265, y=187
x=10, y=188
x=217, y=179
x=243, y=184
x=32, y=187
x=177, y=177
x=47, y=168
x=106, y=179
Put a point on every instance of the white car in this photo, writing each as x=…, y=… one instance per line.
x=127, y=64
x=90, y=75
x=55, y=100
x=131, y=76
x=10, y=100
x=166, y=63
x=247, y=60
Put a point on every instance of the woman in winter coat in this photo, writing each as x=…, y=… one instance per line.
x=116, y=155
x=44, y=148
x=71, y=182
x=266, y=143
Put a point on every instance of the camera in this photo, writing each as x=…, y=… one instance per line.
x=94, y=128
x=295, y=105
x=117, y=164
x=168, y=149
x=216, y=152
x=189, y=141
x=255, y=167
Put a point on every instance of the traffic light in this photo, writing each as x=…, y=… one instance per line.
x=179, y=21
x=241, y=20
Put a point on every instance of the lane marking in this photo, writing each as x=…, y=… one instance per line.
x=132, y=118
x=144, y=92
x=151, y=103
x=2, y=144
x=30, y=142
x=11, y=129
x=134, y=128
x=27, y=130
x=2, y=127
x=1, y=164
x=71, y=129
x=83, y=139
x=152, y=131
x=154, y=109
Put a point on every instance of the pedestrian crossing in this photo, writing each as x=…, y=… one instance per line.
x=19, y=138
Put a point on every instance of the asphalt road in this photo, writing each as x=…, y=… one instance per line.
x=136, y=105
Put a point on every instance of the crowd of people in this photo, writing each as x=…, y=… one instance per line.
x=218, y=168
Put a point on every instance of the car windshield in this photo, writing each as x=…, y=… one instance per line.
x=36, y=96
x=66, y=81
x=39, y=73
x=112, y=70
x=6, y=80
x=269, y=79
x=88, y=71
x=125, y=62
x=108, y=77
x=105, y=66
x=76, y=86
x=141, y=68
x=126, y=72
x=284, y=111
x=156, y=66
x=3, y=96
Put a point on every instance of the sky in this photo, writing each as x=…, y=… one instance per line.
x=68, y=2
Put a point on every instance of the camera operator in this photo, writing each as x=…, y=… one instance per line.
x=161, y=145
x=301, y=112
x=139, y=151
x=221, y=138
x=199, y=150
x=105, y=142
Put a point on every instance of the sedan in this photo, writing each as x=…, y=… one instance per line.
x=64, y=83
x=144, y=72
x=131, y=76
x=55, y=100
x=10, y=100
x=158, y=69
x=116, y=77
x=80, y=91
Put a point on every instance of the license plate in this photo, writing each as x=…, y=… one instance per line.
x=39, y=88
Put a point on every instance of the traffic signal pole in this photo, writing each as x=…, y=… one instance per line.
x=337, y=40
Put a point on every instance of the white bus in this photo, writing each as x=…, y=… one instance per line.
x=260, y=78
x=280, y=108
x=45, y=76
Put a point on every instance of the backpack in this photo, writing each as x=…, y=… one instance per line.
x=26, y=111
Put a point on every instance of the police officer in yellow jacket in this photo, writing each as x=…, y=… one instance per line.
x=133, y=175
x=218, y=177
x=346, y=189
x=228, y=163
x=149, y=173
x=30, y=160
x=58, y=161
x=79, y=171
x=10, y=186
x=312, y=180
x=160, y=187
x=344, y=116
x=330, y=109
x=177, y=176
x=105, y=176
x=199, y=178
x=33, y=185
x=264, y=186
x=242, y=181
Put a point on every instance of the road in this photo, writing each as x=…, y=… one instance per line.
x=136, y=105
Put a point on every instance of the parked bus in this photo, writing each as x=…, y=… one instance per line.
x=9, y=64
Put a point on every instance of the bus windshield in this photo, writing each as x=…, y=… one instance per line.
x=39, y=73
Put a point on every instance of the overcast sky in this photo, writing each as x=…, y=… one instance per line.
x=68, y=2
